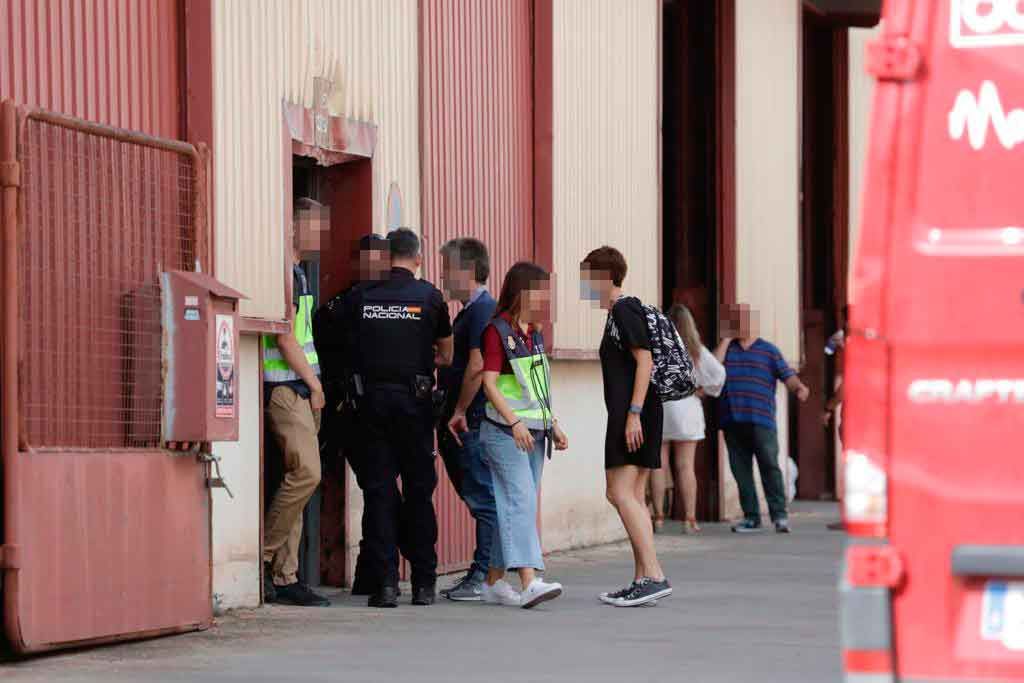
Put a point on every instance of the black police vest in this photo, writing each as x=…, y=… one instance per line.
x=396, y=331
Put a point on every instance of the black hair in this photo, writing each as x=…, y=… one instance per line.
x=373, y=242
x=405, y=244
x=470, y=251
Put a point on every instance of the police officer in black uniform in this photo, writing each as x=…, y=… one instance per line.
x=371, y=263
x=402, y=332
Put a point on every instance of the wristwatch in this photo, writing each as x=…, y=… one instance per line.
x=635, y=409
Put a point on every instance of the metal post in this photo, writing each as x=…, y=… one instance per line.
x=10, y=176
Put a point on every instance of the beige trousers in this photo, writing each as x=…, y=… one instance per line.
x=295, y=426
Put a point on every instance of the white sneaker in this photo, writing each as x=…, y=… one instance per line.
x=501, y=593
x=538, y=592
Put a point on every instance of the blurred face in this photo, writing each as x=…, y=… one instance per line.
x=595, y=286
x=457, y=279
x=741, y=322
x=374, y=264
x=535, y=303
x=312, y=232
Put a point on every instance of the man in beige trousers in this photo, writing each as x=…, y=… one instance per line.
x=294, y=398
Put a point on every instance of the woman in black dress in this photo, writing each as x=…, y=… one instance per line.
x=633, y=437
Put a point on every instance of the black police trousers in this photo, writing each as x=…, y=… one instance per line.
x=364, y=578
x=397, y=440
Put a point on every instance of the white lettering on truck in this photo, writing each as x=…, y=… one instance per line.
x=975, y=115
x=985, y=23
x=966, y=391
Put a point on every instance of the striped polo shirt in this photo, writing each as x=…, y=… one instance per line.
x=750, y=376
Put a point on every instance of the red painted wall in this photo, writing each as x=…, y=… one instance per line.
x=112, y=61
x=476, y=91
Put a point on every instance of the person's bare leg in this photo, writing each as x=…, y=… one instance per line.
x=612, y=481
x=640, y=488
x=659, y=485
x=526, y=576
x=494, y=575
x=625, y=491
x=649, y=565
x=686, y=478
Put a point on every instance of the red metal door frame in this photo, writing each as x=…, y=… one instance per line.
x=9, y=561
x=347, y=154
x=725, y=163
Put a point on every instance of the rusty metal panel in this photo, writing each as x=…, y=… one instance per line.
x=477, y=129
x=476, y=100
x=268, y=52
x=106, y=536
x=116, y=546
x=606, y=155
x=109, y=61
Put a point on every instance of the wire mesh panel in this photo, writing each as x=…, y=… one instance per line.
x=102, y=216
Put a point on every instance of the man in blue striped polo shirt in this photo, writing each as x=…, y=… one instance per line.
x=747, y=416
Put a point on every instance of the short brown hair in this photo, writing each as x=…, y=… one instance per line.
x=609, y=260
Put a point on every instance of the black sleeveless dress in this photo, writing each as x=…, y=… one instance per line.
x=626, y=329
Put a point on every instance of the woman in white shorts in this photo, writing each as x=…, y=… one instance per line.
x=684, y=424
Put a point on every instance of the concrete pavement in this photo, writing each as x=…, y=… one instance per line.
x=754, y=608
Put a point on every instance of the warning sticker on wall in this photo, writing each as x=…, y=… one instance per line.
x=225, y=366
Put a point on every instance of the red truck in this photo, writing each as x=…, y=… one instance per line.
x=932, y=585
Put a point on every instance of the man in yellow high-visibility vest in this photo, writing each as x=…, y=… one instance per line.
x=294, y=398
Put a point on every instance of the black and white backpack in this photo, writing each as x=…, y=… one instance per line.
x=672, y=375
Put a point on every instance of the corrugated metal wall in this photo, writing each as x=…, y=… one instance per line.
x=477, y=108
x=267, y=51
x=861, y=91
x=111, y=61
x=477, y=105
x=768, y=38
x=606, y=155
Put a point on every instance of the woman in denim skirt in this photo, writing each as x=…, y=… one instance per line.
x=517, y=432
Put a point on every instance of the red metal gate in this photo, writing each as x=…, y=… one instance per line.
x=106, y=534
x=476, y=99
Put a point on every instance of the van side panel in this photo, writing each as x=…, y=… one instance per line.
x=947, y=202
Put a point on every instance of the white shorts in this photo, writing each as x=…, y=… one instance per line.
x=684, y=420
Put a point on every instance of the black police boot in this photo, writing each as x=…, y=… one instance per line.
x=423, y=595
x=364, y=586
x=386, y=597
x=269, y=589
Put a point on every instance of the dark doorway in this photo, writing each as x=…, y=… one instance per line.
x=347, y=190
x=697, y=162
x=823, y=232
